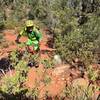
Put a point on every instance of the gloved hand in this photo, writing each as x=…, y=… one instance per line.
x=17, y=41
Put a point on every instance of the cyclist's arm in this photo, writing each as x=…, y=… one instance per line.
x=38, y=33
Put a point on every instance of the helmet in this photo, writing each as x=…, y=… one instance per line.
x=29, y=23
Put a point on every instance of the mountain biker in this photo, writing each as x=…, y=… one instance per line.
x=33, y=34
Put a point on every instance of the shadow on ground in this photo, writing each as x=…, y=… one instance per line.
x=5, y=64
x=19, y=96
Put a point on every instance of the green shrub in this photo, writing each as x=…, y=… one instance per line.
x=75, y=40
x=79, y=93
x=48, y=63
x=12, y=84
x=33, y=93
x=1, y=20
x=1, y=37
x=47, y=80
x=92, y=74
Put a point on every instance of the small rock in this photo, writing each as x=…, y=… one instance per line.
x=57, y=59
x=63, y=79
x=61, y=69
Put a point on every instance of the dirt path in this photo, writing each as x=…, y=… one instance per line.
x=36, y=75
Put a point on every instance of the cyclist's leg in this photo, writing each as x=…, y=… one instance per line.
x=36, y=45
x=29, y=44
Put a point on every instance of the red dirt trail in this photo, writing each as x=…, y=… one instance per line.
x=36, y=75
